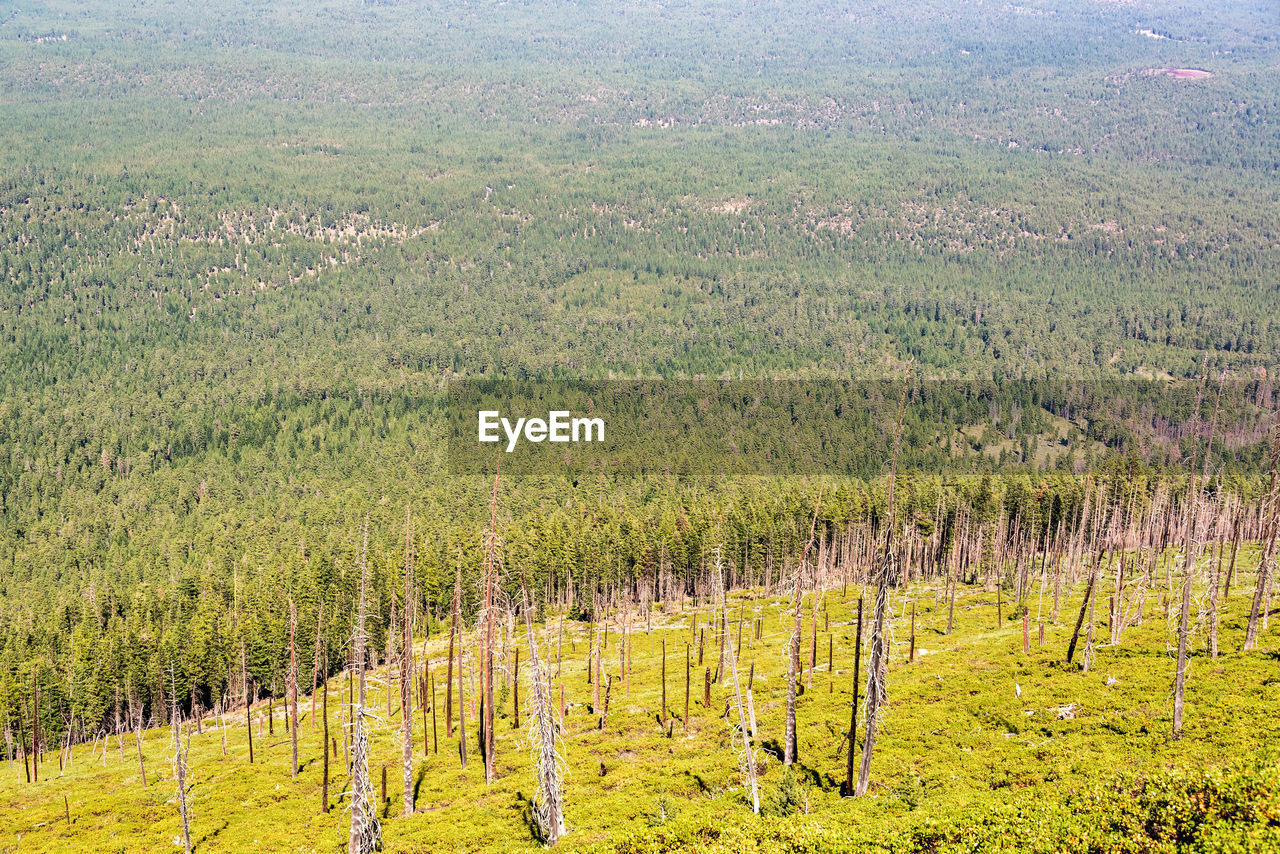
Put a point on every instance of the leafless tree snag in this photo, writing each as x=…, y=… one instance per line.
x=366, y=831
x=406, y=667
x=886, y=576
x=790, y=751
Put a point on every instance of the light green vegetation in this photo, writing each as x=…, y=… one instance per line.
x=1074, y=761
x=244, y=246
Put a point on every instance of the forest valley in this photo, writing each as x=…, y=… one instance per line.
x=248, y=598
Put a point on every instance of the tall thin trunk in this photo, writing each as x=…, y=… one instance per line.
x=548, y=802
x=324, y=747
x=886, y=576
x=142, y=766
x=486, y=665
x=453, y=638
x=366, y=831
x=1271, y=526
x=35, y=732
x=293, y=686
x=315, y=664
x=406, y=667
x=1084, y=604
x=747, y=757
x=790, y=748
x=1191, y=548
x=852, y=739
x=664, y=684
x=180, y=770
x=1184, y=614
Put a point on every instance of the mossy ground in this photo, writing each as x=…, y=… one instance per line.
x=974, y=752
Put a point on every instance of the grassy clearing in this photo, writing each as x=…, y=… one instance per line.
x=983, y=748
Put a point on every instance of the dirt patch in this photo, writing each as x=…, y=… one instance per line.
x=1180, y=73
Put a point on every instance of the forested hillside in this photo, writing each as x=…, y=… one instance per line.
x=245, y=248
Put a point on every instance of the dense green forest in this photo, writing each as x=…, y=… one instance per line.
x=245, y=248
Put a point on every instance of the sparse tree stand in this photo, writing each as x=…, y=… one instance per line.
x=886, y=575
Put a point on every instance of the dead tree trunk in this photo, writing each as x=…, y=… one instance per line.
x=886, y=575
x=604, y=713
x=293, y=686
x=490, y=615
x=453, y=639
x=852, y=739
x=1271, y=525
x=548, y=802
x=366, y=831
x=1084, y=605
x=406, y=667
x=315, y=665
x=742, y=737
x=142, y=767
x=324, y=786
x=180, y=771
x=687, y=675
x=1184, y=615
x=790, y=747
x=1189, y=563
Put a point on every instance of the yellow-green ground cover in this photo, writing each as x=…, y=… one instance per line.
x=983, y=748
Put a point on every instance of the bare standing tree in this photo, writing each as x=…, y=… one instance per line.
x=490, y=617
x=293, y=686
x=1191, y=549
x=1190, y=553
x=548, y=765
x=886, y=576
x=366, y=831
x=180, y=767
x=406, y=667
x=1271, y=526
x=790, y=752
x=315, y=665
x=741, y=737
